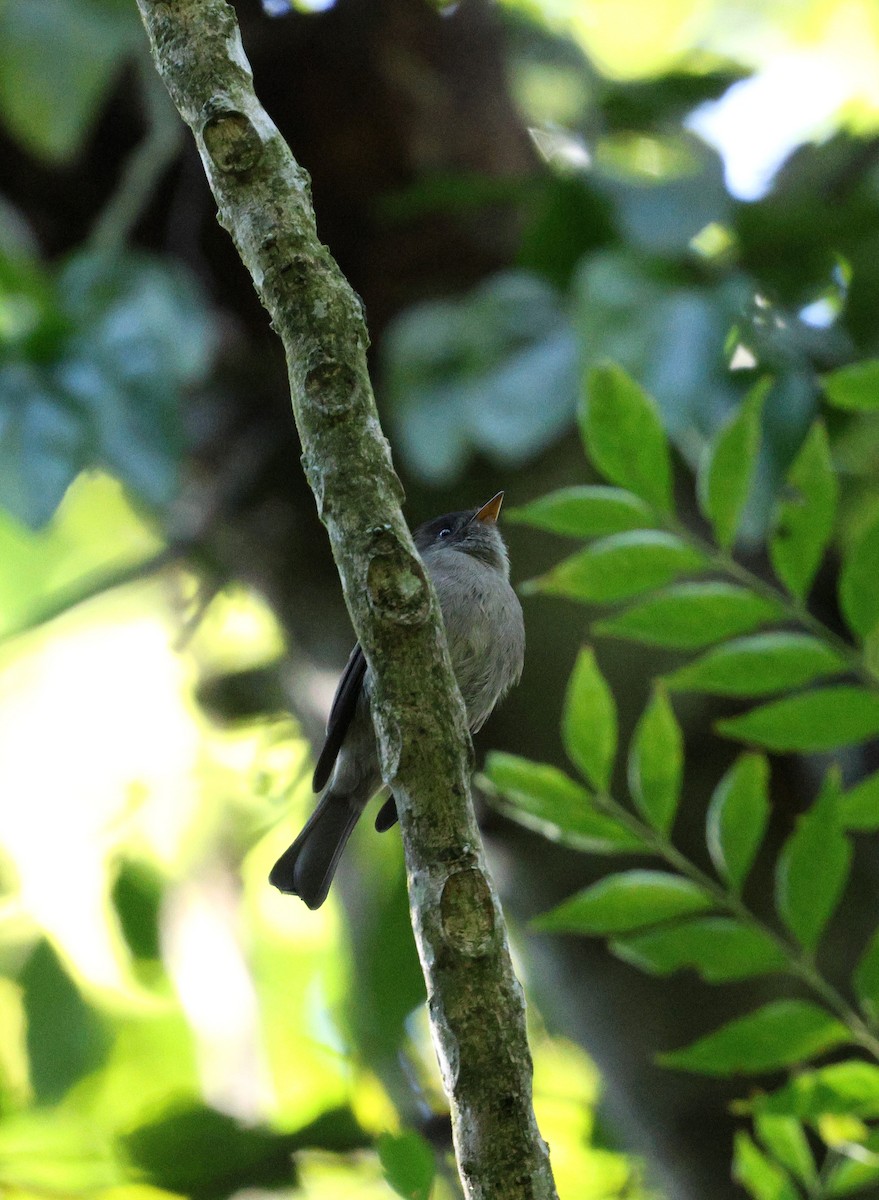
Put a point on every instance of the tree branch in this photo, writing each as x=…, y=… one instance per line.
x=475, y=1001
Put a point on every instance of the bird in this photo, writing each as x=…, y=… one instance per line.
x=466, y=558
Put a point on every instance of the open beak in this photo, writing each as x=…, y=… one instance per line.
x=489, y=511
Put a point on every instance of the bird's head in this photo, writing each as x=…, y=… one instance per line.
x=473, y=531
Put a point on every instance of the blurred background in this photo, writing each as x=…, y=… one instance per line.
x=516, y=190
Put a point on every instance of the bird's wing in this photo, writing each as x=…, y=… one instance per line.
x=344, y=704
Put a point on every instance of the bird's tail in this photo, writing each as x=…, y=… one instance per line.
x=306, y=868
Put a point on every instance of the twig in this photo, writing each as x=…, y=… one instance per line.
x=142, y=170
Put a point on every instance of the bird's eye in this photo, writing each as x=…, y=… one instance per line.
x=444, y=533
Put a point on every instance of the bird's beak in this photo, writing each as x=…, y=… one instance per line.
x=489, y=511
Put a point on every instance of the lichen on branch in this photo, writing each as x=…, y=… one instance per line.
x=263, y=197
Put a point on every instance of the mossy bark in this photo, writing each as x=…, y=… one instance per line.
x=475, y=1001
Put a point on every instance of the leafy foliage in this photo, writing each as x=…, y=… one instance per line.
x=737, y=818
x=462, y=375
x=622, y=426
x=80, y=45
x=621, y=566
x=94, y=361
x=409, y=1164
x=689, y=616
x=630, y=900
x=776, y=1035
x=65, y=1038
x=205, y=1154
x=546, y=799
x=854, y=388
x=727, y=469
x=720, y=949
x=825, y=696
x=589, y=728
x=813, y=868
x=656, y=763
x=804, y=515
x=657, y=268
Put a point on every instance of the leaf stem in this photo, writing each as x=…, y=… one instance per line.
x=144, y=167
x=799, y=963
x=724, y=563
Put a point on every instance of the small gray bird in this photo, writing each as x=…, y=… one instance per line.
x=466, y=558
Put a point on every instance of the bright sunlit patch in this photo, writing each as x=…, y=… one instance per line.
x=323, y=1176
x=217, y=994
x=299, y=959
x=237, y=630
x=90, y=707
x=742, y=359
x=820, y=314
x=759, y=121
x=631, y=39
x=565, y=151
x=94, y=532
x=13, y=1054
x=551, y=94
x=565, y=1095
x=372, y=1105
x=54, y=1153
x=19, y=316
x=714, y=242
x=648, y=157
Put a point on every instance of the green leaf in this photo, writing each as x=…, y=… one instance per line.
x=689, y=616
x=813, y=867
x=55, y=1151
x=720, y=949
x=759, y=1176
x=737, y=818
x=385, y=979
x=206, y=1155
x=137, y=897
x=100, y=380
x=623, y=434
x=589, y=722
x=866, y=978
x=65, y=1038
x=785, y=1139
x=859, y=583
x=804, y=516
x=822, y=720
x=656, y=763
x=754, y=666
x=585, y=512
x=461, y=374
x=854, y=388
x=859, y=806
x=853, y=1174
x=79, y=46
x=619, y=566
x=409, y=1164
x=842, y=1089
x=543, y=798
x=627, y=901
x=42, y=444
x=128, y=368
x=777, y=1035
x=726, y=472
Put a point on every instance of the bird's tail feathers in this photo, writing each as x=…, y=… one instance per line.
x=306, y=868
